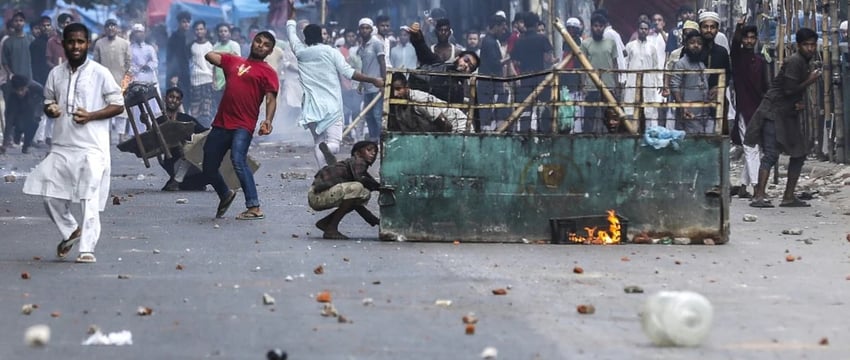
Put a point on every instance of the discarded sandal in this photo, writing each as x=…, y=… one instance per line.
x=761, y=204
x=794, y=203
x=250, y=215
x=224, y=204
x=86, y=258
x=65, y=246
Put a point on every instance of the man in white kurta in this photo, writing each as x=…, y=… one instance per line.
x=642, y=55
x=320, y=67
x=81, y=95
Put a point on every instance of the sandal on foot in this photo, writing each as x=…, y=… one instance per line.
x=65, y=246
x=794, y=203
x=323, y=223
x=761, y=204
x=336, y=235
x=224, y=204
x=250, y=215
x=86, y=258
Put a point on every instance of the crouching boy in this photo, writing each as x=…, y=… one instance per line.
x=345, y=185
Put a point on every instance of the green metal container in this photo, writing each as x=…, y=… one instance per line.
x=506, y=188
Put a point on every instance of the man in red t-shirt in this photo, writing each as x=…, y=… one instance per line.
x=249, y=82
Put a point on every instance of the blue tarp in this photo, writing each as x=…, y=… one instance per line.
x=91, y=18
x=213, y=15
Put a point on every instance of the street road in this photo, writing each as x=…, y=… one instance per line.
x=765, y=307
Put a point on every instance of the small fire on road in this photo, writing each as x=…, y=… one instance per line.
x=596, y=236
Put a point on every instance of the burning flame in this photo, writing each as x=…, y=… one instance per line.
x=600, y=237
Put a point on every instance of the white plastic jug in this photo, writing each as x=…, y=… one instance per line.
x=677, y=318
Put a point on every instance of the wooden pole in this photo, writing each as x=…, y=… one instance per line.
x=780, y=39
x=360, y=116
x=639, y=113
x=530, y=99
x=841, y=144
x=606, y=93
x=720, y=112
x=324, y=12
x=473, y=100
x=829, y=132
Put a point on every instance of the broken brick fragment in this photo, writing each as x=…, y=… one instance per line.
x=500, y=291
x=578, y=270
x=324, y=297
x=586, y=309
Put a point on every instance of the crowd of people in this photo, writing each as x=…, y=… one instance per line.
x=64, y=91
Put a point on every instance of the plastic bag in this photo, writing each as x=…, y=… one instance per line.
x=660, y=137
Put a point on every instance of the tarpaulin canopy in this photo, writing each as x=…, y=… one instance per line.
x=158, y=10
x=93, y=18
x=212, y=15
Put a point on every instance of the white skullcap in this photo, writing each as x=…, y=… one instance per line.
x=365, y=21
x=709, y=15
x=843, y=25
x=501, y=13
x=574, y=22
x=138, y=27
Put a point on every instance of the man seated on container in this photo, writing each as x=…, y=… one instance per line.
x=434, y=117
x=347, y=186
x=446, y=88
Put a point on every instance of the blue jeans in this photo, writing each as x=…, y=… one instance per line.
x=237, y=141
x=373, y=117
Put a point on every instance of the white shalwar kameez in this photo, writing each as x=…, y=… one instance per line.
x=77, y=169
x=642, y=55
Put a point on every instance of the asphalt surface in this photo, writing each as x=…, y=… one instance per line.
x=765, y=307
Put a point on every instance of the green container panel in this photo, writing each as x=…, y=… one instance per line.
x=505, y=188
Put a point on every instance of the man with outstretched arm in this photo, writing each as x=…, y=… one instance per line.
x=249, y=83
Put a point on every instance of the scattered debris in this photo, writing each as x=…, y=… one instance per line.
x=470, y=319
x=578, y=270
x=633, y=289
x=342, y=319
x=156, y=251
x=443, y=302
x=489, y=353
x=792, y=231
x=268, y=299
x=790, y=258
x=824, y=341
x=368, y=301
x=682, y=241
x=25, y=275
x=750, y=218
x=179, y=267
x=500, y=291
x=288, y=278
x=55, y=314
x=457, y=242
x=294, y=236
x=116, y=200
x=319, y=270
x=678, y=262
x=625, y=259
x=92, y=329
x=37, y=335
x=376, y=282
x=182, y=201
x=36, y=258
x=470, y=329
x=708, y=242
x=28, y=308
x=848, y=237
x=120, y=338
x=10, y=178
x=140, y=177
x=144, y=311
x=293, y=176
x=586, y=309
x=216, y=226
x=276, y=354
x=329, y=310
x=324, y=297
x=123, y=277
